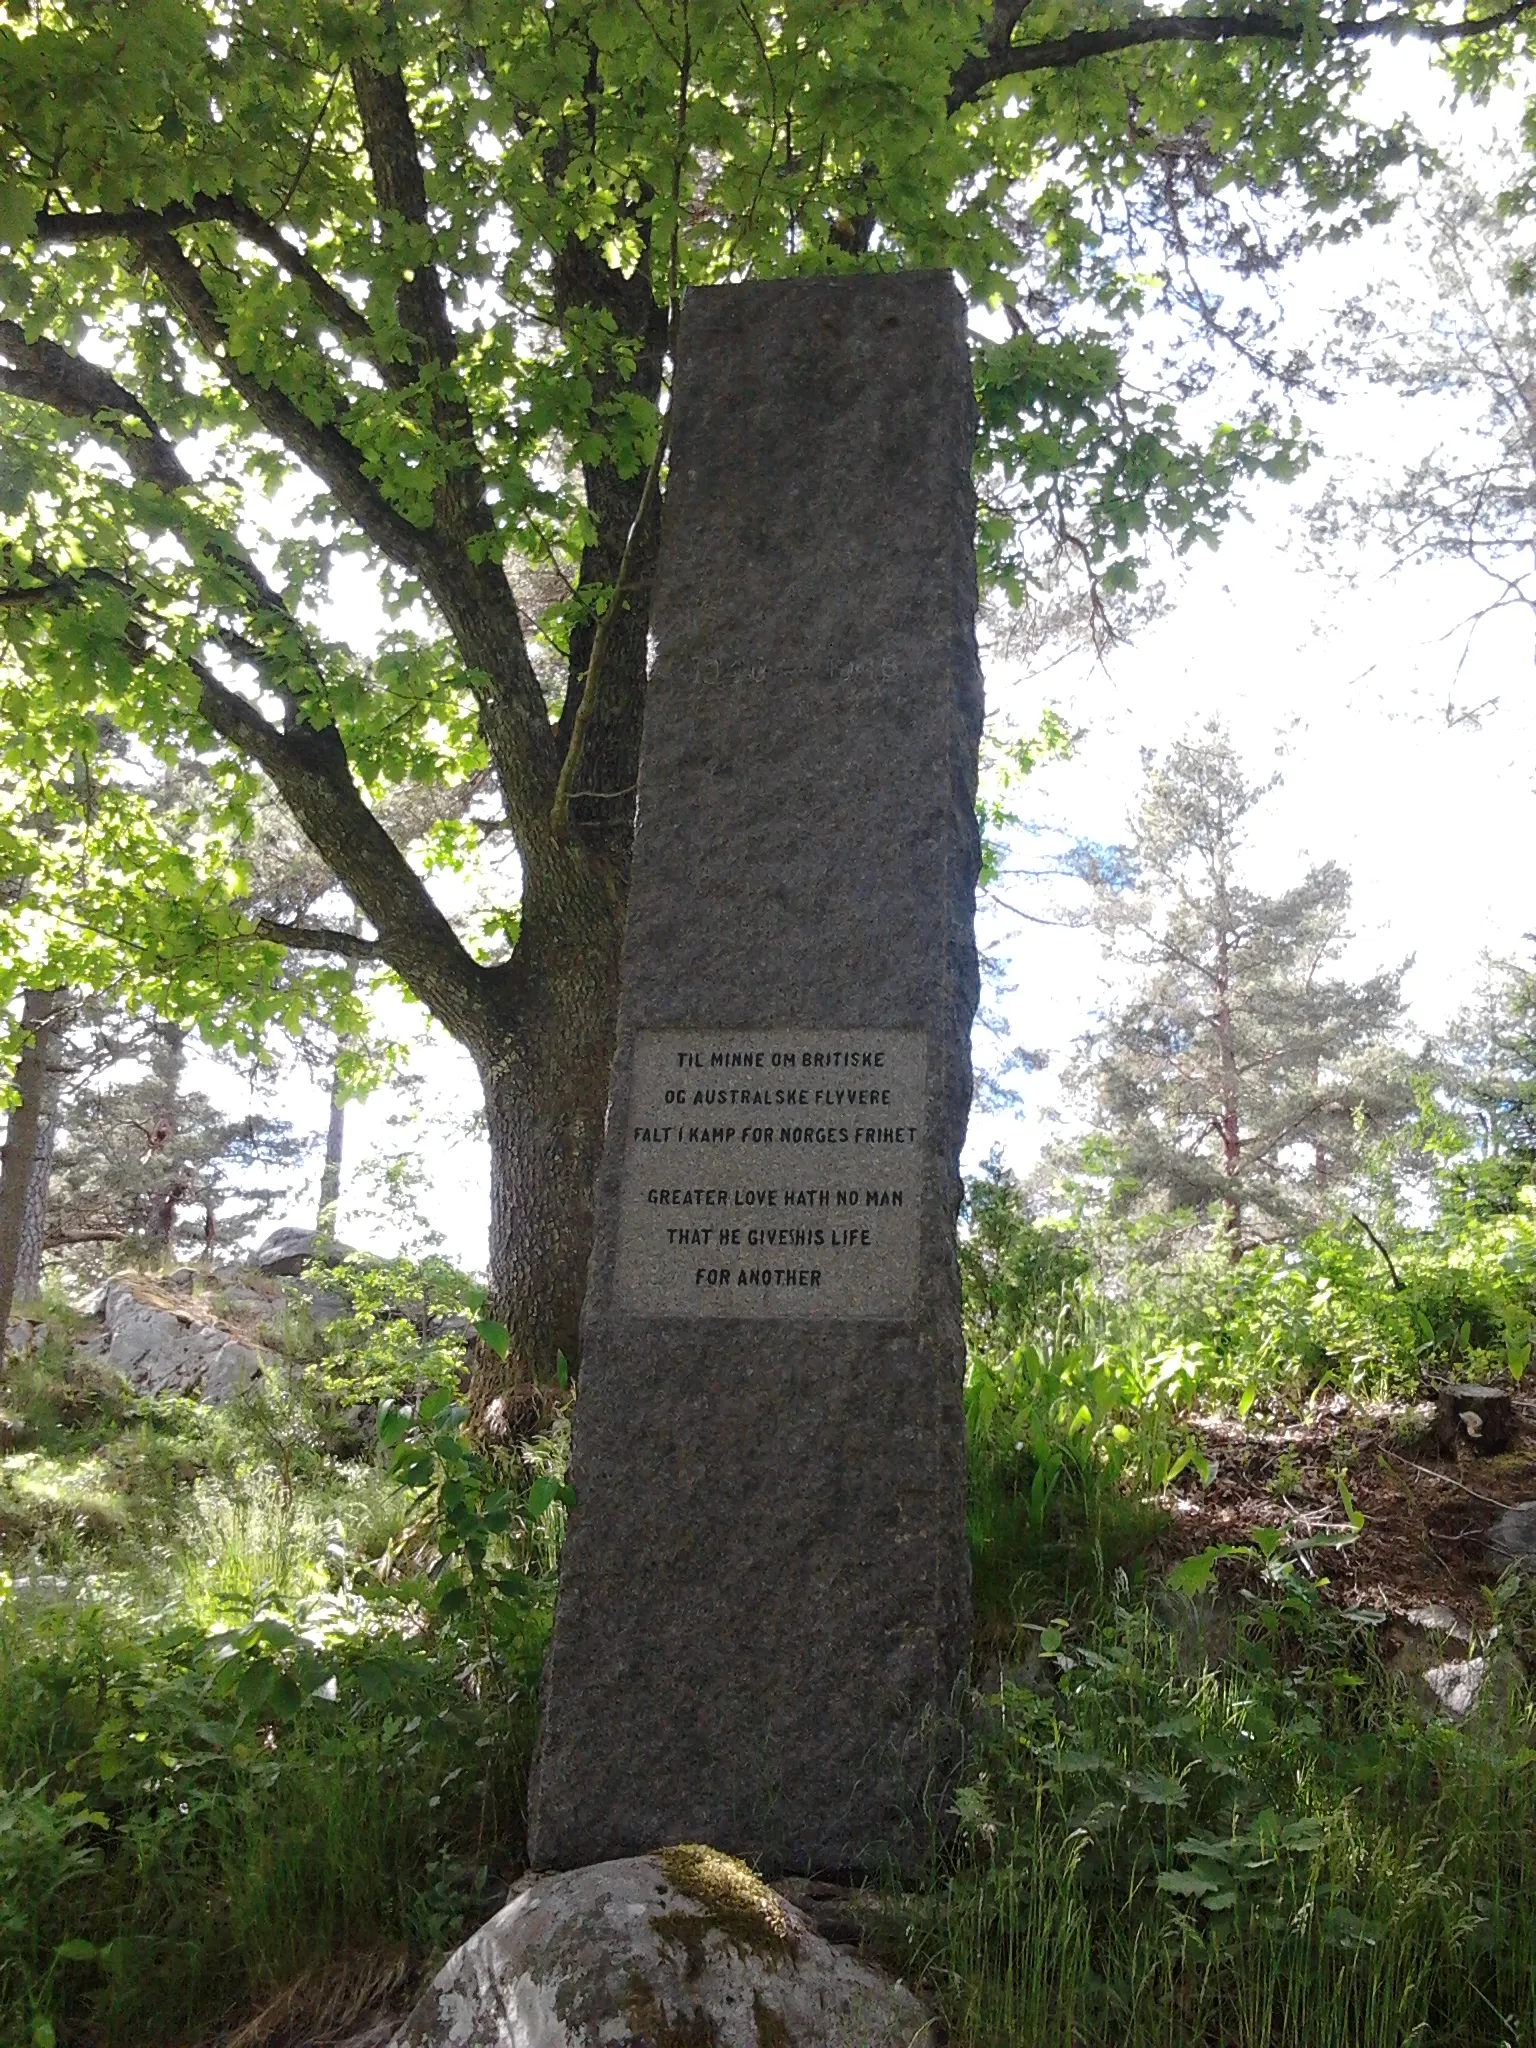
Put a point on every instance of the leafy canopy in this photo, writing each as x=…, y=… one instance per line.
x=302, y=298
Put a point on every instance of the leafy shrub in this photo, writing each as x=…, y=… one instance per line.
x=189, y=1820
x=494, y=1519
x=405, y=1331
x=1015, y=1273
x=1458, y=1299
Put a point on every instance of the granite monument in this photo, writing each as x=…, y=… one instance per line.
x=763, y=1610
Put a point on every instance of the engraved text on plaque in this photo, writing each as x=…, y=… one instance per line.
x=772, y=1173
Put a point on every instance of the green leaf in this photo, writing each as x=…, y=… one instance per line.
x=1193, y=1575
x=495, y=1337
x=18, y=212
x=1155, y=1788
x=394, y=1423
x=544, y=1493
x=1352, y=1514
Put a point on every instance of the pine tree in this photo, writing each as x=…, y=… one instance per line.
x=27, y=1156
x=1488, y=1074
x=143, y=1160
x=1237, y=1074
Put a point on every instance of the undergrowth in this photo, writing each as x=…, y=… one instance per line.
x=268, y=1675
x=1230, y=1827
x=266, y=1705
x=1218, y=1821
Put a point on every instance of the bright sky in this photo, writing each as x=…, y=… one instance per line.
x=1342, y=688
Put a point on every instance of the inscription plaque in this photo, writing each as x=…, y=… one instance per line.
x=772, y=1173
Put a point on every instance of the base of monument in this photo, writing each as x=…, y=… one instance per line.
x=685, y=1945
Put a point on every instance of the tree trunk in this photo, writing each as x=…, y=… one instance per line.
x=330, y=1173
x=29, y=1259
x=1231, y=1128
x=335, y=1130
x=168, y=1061
x=27, y=1156
x=544, y=1062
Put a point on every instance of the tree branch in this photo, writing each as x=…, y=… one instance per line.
x=1001, y=58
x=309, y=767
x=475, y=597
x=307, y=763
x=323, y=447
x=560, y=809
x=469, y=586
x=56, y=589
x=309, y=938
x=135, y=223
x=1397, y=1285
x=400, y=187
x=49, y=375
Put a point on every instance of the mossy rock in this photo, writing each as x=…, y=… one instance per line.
x=684, y=1949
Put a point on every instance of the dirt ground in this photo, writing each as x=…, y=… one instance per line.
x=1427, y=1515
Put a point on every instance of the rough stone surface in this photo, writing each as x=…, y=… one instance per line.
x=1453, y=1688
x=763, y=1606
x=1484, y=1417
x=1512, y=1539
x=160, y=1352
x=685, y=1949
x=284, y=1254
x=1469, y=1686
x=1434, y=1618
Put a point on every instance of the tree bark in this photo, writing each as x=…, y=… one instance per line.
x=29, y=1258
x=27, y=1156
x=330, y=1172
x=335, y=1137
x=167, y=1063
x=544, y=1061
x=1231, y=1127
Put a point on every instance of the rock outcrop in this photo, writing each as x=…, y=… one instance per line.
x=682, y=1949
x=164, y=1350
x=285, y=1253
x=1512, y=1539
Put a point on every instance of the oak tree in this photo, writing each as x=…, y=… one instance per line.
x=306, y=292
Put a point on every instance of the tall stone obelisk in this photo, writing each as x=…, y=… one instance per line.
x=763, y=1609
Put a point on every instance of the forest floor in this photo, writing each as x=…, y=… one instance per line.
x=1424, y=1537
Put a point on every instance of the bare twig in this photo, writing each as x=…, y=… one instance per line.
x=1397, y=1285
x=310, y=938
x=1461, y=1486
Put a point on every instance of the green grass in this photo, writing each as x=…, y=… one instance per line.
x=237, y=1765
x=1248, y=1840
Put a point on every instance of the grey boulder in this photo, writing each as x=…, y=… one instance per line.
x=161, y=1352
x=1453, y=1689
x=1512, y=1539
x=283, y=1254
x=684, y=1946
